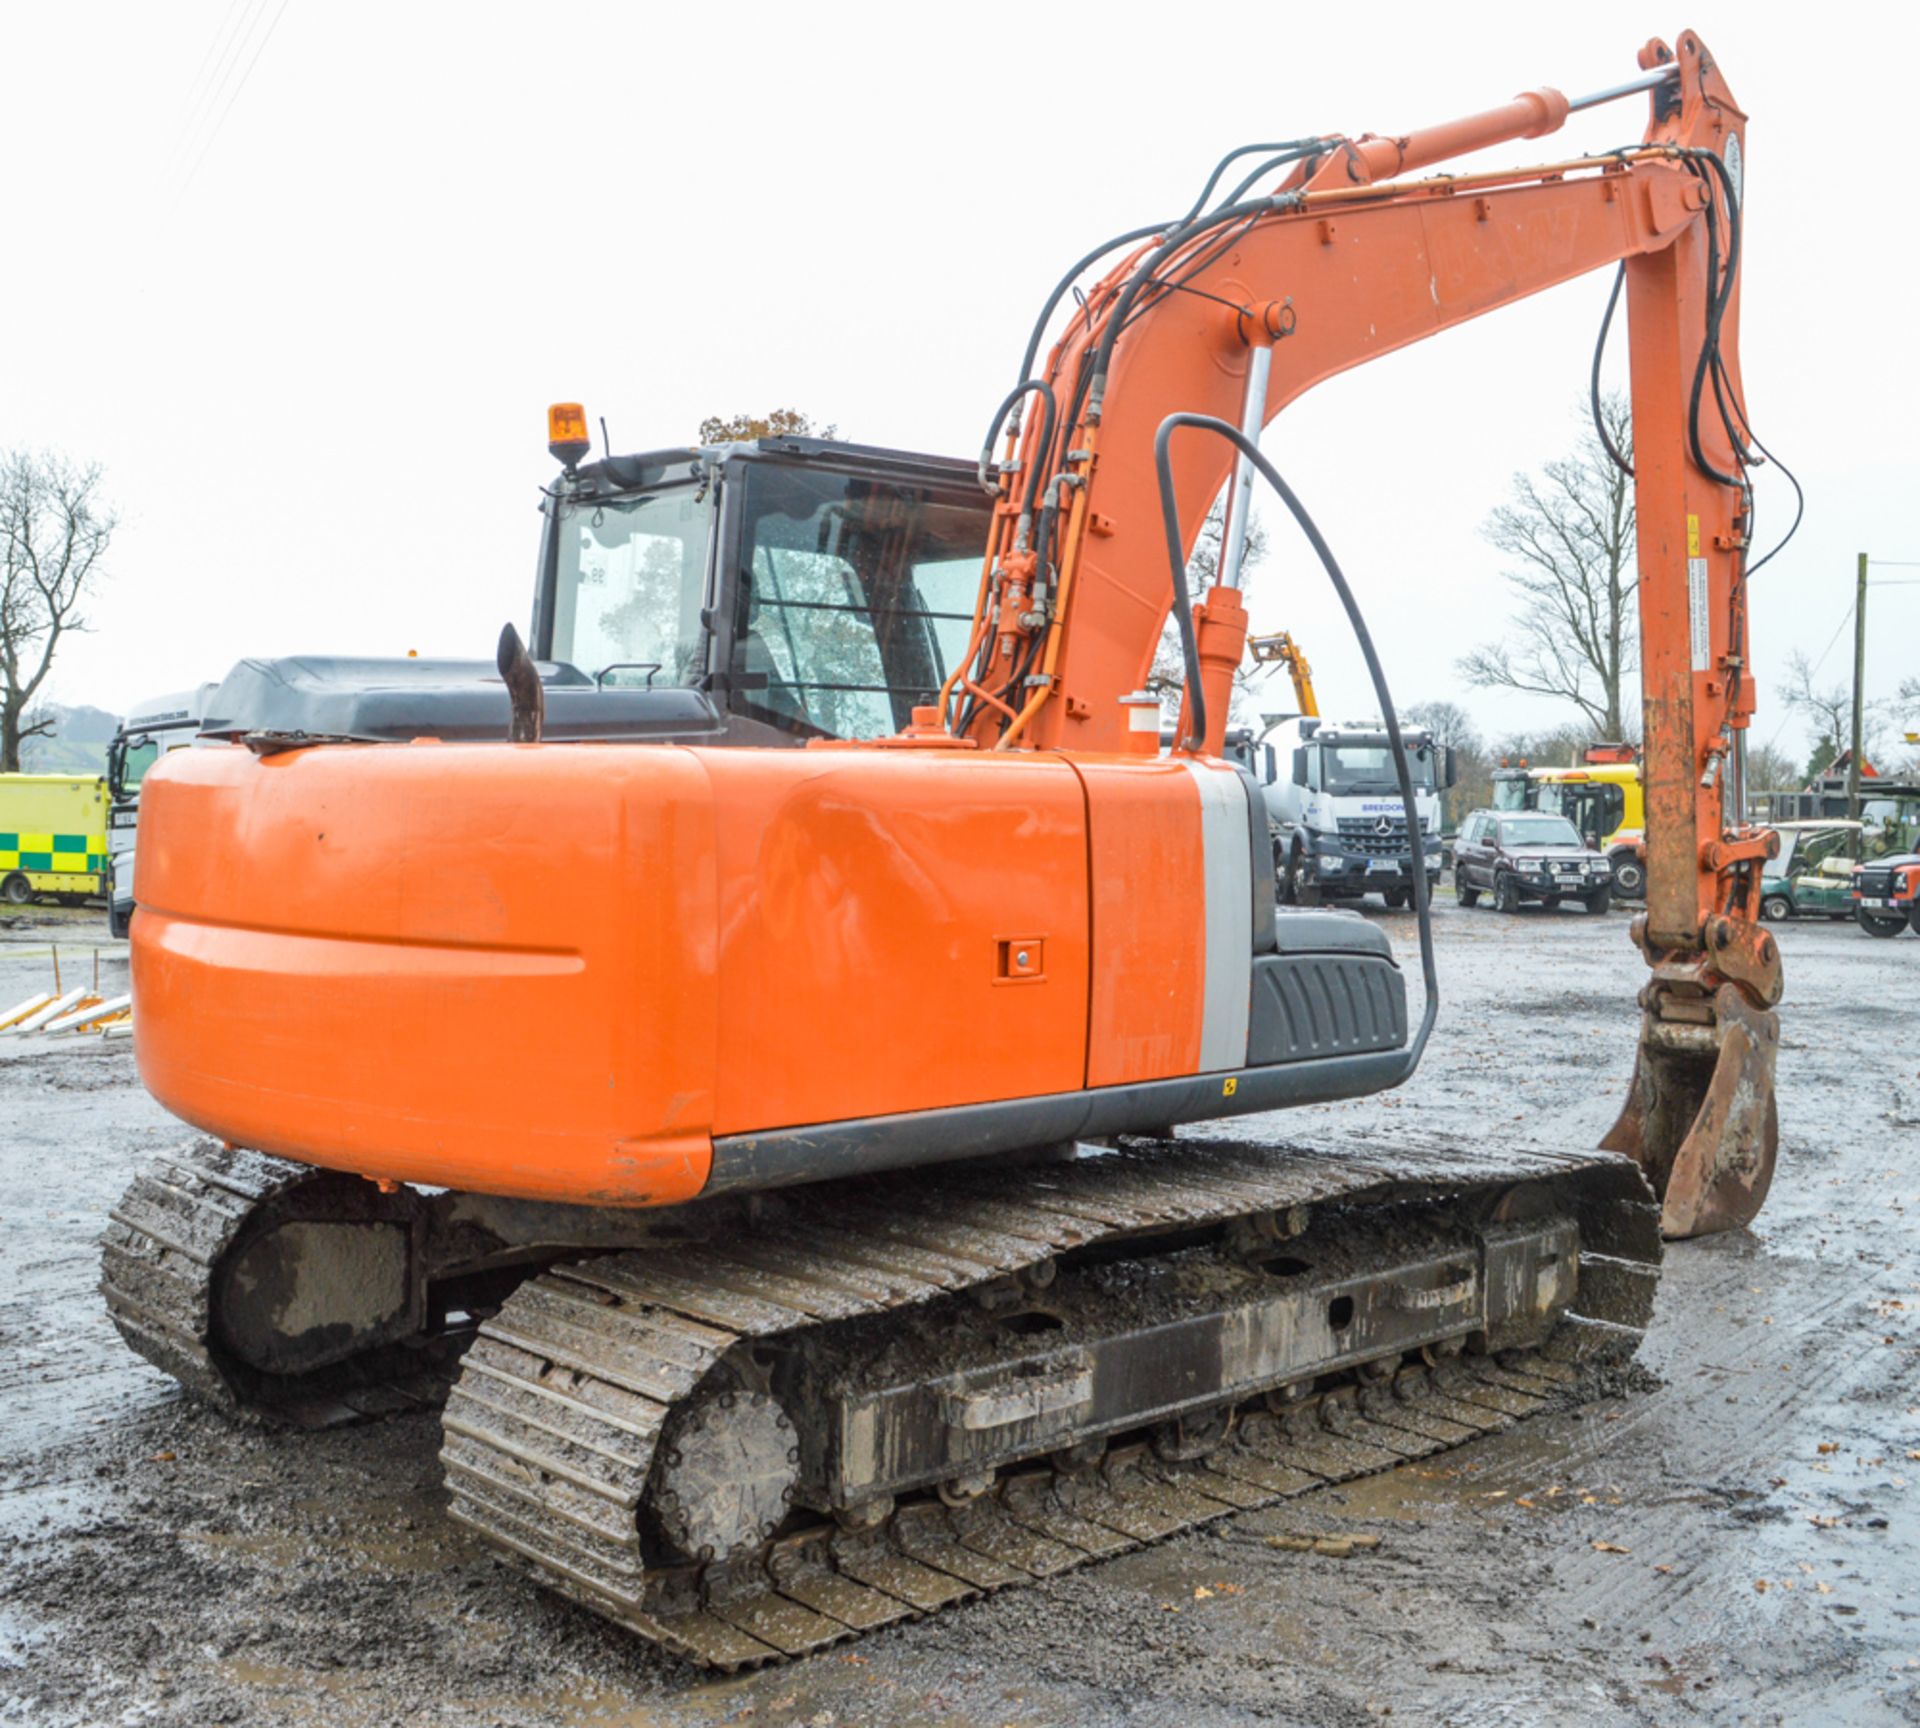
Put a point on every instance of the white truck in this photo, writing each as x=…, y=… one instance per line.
x=157, y=725
x=1334, y=808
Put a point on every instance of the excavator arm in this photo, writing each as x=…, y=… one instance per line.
x=1235, y=311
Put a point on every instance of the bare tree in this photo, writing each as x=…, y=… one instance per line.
x=1771, y=770
x=1570, y=532
x=55, y=528
x=1828, y=713
x=1453, y=729
x=1449, y=723
x=1906, y=707
x=1558, y=747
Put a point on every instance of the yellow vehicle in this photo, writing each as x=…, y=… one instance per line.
x=1281, y=647
x=53, y=836
x=1601, y=798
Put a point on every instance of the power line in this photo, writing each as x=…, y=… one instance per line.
x=246, y=73
x=1846, y=618
x=237, y=25
x=215, y=41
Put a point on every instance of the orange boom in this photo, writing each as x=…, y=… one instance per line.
x=810, y=850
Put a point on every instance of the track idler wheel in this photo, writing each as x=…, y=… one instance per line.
x=726, y=1475
x=1700, y=1118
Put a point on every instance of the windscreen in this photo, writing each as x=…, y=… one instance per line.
x=130, y=764
x=1803, y=849
x=855, y=598
x=1537, y=831
x=1510, y=792
x=1892, y=827
x=1369, y=768
x=1594, y=807
x=631, y=580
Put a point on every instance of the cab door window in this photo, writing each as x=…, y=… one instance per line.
x=855, y=597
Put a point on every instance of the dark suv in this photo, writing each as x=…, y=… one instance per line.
x=1517, y=855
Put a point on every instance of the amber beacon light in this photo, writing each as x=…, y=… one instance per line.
x=567, y=438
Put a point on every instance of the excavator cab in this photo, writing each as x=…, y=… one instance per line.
x=768, y=593
x=808, y=589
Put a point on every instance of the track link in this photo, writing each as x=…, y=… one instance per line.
x=159, y=1257
x=553, y=1427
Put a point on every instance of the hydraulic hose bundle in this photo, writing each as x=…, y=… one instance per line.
x=1196, y=695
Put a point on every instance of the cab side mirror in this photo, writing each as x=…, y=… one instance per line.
x=1449, y=768
x=1300, y=765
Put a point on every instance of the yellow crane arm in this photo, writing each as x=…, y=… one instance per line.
x=1281, y=646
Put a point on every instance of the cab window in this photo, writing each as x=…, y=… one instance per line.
x=855, y=598
x=130, y=765
x=630, y=585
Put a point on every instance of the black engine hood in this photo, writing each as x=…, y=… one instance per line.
x=324, y=699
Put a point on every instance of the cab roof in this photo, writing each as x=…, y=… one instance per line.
x=613, y=474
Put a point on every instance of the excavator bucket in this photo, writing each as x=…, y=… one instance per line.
x=1700, y=1118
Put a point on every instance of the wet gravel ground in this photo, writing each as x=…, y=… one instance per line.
x=1732, y=1538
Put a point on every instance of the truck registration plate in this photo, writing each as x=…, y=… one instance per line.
x=1876, y=905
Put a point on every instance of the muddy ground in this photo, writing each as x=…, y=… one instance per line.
x=1756, y=1493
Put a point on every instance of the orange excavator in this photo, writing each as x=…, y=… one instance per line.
x=731, y=1053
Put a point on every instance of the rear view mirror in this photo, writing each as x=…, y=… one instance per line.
x=1449, y=767
x=1300, y=766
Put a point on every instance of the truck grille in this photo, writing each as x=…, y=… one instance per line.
x=1362, y=834
x=1875, y=884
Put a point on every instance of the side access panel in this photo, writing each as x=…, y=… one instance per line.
x=898, y=931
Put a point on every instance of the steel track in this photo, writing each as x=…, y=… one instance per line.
x=553, y=1425
x=163, y=1245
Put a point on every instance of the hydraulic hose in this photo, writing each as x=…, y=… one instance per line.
x=1072, y=276
x=1182, y=601
x=1593, y=382
x=1050, y=408
x=1170, y=516
x=1219, y=217
x=1281, y=154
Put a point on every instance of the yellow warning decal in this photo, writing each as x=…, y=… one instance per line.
x=1229, y=1087
x=1693, y=536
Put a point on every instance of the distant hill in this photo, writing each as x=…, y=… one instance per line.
x=84, y=725
x=77, y=744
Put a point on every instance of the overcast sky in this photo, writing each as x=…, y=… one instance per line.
x=304, y=277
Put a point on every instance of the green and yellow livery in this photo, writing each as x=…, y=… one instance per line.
x=53, y=836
